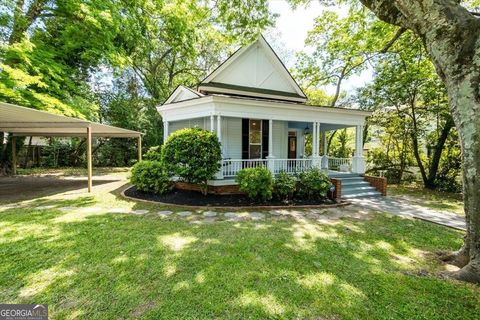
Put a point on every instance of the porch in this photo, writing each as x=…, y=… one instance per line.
x=279, y=135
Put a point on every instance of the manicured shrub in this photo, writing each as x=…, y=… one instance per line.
x=193, y=155
x=256, y=183
x=313, y=184
x=153, y=154
x=284, y=186
x=150, y=176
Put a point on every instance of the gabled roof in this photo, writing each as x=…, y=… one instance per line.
x=182, y=93
x=254, y=71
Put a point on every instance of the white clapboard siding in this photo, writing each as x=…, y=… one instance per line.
x=280, y=142
x=232, y=137
x=182, y=124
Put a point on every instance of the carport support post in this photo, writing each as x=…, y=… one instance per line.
x=14, y=155
x=89, y=158
x=140, y=148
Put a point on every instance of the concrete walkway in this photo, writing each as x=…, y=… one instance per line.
x=407, y=209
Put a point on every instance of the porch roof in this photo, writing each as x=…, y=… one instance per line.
x=243, y=107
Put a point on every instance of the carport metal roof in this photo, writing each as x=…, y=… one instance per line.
x=21, y=121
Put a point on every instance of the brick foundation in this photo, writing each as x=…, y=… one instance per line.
x=337, y=194
x=380, y=183
x=228, y=189
x=233, y=189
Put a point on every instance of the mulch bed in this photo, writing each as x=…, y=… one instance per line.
x=194, y=198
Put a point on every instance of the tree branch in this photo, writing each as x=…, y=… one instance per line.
x=393, y=40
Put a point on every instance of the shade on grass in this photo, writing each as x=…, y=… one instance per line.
x=91, y=264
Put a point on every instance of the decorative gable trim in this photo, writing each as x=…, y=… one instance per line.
x=212, y=85
x=182, y=93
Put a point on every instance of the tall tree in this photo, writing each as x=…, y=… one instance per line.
x=450, y=33
x=341, y=47
x=405, y=85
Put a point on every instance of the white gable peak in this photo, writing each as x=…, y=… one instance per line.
x=254, y=70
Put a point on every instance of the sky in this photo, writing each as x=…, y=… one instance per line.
x=290, y=31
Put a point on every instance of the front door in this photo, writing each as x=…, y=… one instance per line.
x=292, y=146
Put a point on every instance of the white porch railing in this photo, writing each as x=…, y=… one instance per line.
x=335, y=163
x=232, y=166
x=291, y=166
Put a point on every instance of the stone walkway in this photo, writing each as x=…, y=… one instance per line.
x=360, y=208
x=407, y=209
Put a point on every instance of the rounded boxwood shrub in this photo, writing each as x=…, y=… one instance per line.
x=313, y=184
x=150, y=176
x=193, y=155
x=284, y=186
x=256, y=183
x=153, y=154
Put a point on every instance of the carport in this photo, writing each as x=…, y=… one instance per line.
x=19, y=121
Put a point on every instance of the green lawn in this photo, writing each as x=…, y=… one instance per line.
x=444, y=201
x=98, y=265
x=72, y=171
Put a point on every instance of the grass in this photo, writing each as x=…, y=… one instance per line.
x=72, y=171
x=94, y=265
x=438, y=200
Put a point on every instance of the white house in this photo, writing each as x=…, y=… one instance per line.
x=261, y=117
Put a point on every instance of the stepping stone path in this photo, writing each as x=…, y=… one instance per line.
x=118, y=210
x=209, y=214
x=139, y=212
x=91, y=209
x=257, y=215
x=67, y=209
x=231, y=215
x=165, y=213
x=277, y=212
x=184, y=213
x=45, y=207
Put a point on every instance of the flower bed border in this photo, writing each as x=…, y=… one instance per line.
x=258, y=207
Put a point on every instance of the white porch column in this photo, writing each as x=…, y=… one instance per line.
x=325, y=155
x=358, y=161
x=165, y=131
x=212, y=122
x=219, y=175
x=219, y=127
x=316, y=161
x=314, y=140
x=270, y=157
x=270, y=138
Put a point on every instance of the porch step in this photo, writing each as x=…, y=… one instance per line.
x=357, y=189
x=355, y=186
x=362, y=195
x=343, y=175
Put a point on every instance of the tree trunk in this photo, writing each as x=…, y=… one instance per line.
x=465, y=103
x=27, y=155
x=451, y=36
x=22, y=21
x=435, y=163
